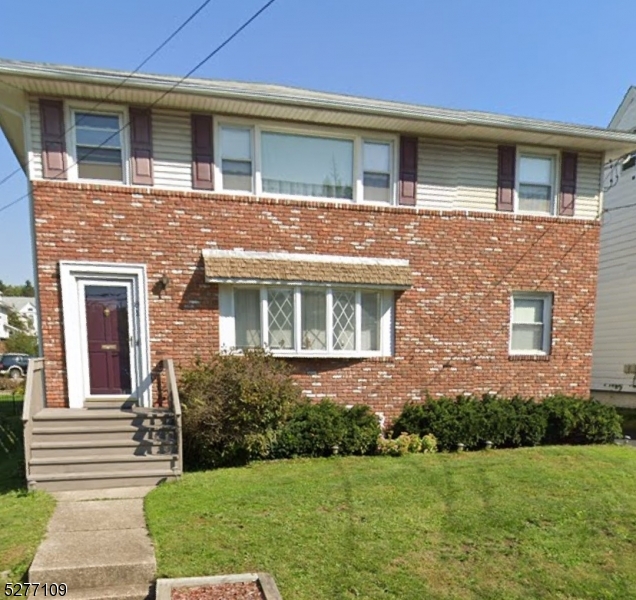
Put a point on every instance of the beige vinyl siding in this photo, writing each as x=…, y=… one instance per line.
x=36, y=139
x=588, y=183
x=172, y=149
x=437, y=173
x=615, y=321
x=478, y=178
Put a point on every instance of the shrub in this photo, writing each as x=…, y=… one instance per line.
x=315, y=429
x=233, y=407
x=407, y=443
x=510, y=423
x=579, y=421
x=23, y=343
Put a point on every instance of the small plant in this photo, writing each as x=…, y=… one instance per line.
x=406, y=443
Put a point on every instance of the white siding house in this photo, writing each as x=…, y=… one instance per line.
x=614, y=362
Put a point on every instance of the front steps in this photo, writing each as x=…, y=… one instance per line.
x=96, y=448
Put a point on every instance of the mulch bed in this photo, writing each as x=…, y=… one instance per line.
x=226, y=591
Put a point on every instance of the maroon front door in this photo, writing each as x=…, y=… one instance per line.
x=108, y=339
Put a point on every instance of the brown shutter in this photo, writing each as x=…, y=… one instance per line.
x=569, y=162
x=202, y=153
x=408, y=171
x=53, y=143
x=506, y=178
x=141, y=146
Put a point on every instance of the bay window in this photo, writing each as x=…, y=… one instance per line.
x=307, y=320
x=286, y=161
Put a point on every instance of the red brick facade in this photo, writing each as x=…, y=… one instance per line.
x=451, y=327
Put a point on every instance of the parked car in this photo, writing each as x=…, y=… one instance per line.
x=14, y=365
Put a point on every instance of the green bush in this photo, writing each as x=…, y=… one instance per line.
x=315, y=429
x=580, y=421
x=509, y=423
x=23, y=343
x=234, y=406
x=407, y=443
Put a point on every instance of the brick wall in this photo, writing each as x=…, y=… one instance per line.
x=452, y=326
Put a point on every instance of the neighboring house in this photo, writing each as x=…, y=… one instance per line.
x=387, y=251
x=25, y=308
x=614, y=365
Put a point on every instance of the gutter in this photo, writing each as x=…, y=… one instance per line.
x=306, y=98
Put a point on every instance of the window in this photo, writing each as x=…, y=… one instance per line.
x=377, y=171
x=535, y=188
x=302, y=165
x=530, y=326
x=307, y=320
x=236, y=158
x=291, y=163
x=98, y=146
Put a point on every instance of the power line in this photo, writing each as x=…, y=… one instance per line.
x=168, y=91
x=124, y=80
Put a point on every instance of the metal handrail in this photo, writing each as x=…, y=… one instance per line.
x=175, y=404
x=33, y=404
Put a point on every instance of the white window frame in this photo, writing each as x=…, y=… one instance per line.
x=71, y=147
x=531, y=152
x=227, y=337
x=547, y=322
x=357, y=137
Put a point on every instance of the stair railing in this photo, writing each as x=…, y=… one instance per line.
x=175, y=405
x=33, y=404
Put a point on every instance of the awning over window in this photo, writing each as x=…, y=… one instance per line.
x=240, y=266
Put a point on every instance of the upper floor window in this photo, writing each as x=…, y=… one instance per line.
x=315, y=165
x=98, y=146
x=536, y=183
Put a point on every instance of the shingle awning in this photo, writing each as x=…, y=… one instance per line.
x=241, y=266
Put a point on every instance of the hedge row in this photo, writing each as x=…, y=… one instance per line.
x=510, y=423
x=242, y=408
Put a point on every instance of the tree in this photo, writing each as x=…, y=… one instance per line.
x=27, y=290
x=22, y=343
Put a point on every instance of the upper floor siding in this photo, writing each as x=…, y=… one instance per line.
x=451, y=174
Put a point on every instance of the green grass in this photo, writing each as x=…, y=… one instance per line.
x=23, y=515
x=553, y=523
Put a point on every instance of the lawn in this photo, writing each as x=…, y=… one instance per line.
x=23, y=515
x=554, y=522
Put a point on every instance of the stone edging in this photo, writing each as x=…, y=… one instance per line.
x=266, y=581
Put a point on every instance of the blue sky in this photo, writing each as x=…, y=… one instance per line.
x=559, y=59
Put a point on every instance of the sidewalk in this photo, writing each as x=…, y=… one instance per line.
x=98, y=545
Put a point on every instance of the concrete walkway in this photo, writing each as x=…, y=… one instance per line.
x=98, y=545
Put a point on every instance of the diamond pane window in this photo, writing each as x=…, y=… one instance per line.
x=344, y=320
x=280, y=309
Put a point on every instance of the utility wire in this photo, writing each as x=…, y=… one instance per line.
x=124, y=80
x=168, y=91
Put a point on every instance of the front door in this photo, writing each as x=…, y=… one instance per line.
x=108, y=338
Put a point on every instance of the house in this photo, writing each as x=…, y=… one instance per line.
x=25, y=308
x=386, y=250
x=614, y=365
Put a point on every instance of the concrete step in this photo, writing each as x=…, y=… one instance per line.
x=60, y=482
x=106, y=402
x=123, y=431
x=93, y=465
x=92, y=559
x=66, y=418
x=126, y=592
x=54, y=449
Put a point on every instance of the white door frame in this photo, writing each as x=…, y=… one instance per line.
x=74, y=276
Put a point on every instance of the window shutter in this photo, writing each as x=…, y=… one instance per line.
x=202, y=153
x=141, y=146
x=569, y=162
x=53, y=143
x=506, y=178
x=408, y=171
